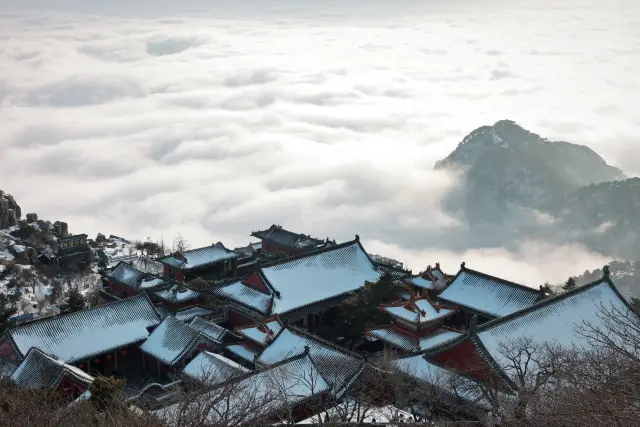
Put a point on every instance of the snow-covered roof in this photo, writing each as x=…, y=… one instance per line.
x=338, y=366
x=177, y=293
x=243, y=351
x=152, y=282
x=189, y=313
x=171, y=341
x=418, y=311
x=260, y=332
x=213, y=368
x=38, y=370
x=488, y=295
x=201, y=257
x=89, y=332
x=245, y=295
x=126, y=274
x=554, y=320
x=257, y=395
x=419, y=282
x=287, y=238
x=210, y=329
x=320, y=276
x=445, y=381
x=411, y=343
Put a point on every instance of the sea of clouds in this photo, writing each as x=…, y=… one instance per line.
x=213, y=119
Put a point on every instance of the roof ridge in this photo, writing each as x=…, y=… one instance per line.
x=543, y=303
x=499, y=279
x=84, y=310
x=311, y=253
x=322, y=341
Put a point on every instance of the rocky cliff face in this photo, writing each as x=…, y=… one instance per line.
x=10, y=212
x=508, y=167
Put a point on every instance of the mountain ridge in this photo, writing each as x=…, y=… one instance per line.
x=508, y=171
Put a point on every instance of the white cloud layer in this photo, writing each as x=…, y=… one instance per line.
x=326, y=117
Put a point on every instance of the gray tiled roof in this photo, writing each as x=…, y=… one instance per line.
x=257, y=395
x=287, y=238
x=188, y=314
x=338, y=366
x=213, y=368
x=171, y=341
x=410, y=343
x=38, y=370
x=452, y=384
x=487, y=294
x=125, y=274
x=555, y=320
x=210, y=329
x=245, y=295
x=177, y=293
x=89, y=332
x=201, y=257
x=320, y=275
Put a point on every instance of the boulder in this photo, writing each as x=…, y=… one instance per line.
x=11, y=218
x=32, y=254
x=61, y=228
x=8, y=263
x=101, y=238
x=32, y=217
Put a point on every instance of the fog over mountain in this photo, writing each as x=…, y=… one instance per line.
x=217, y=118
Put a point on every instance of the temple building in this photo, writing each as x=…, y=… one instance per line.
x=43, y=372
x=299, y=288
x=256, y=339
x=294, y=390
x=74, y=252
x=102, y=340
x=213, y=262
x=278, y=241
x=212, y=369
x=432, y=281
x=172, y=345
x=418, y=325
x=125, y=281
x=477, y=353
x=339, y=367
x=487, y=297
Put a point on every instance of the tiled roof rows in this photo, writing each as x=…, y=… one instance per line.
x=258, y=394
x=338, y=366
x=320, y=276
x=126, y=274
x=259, y=333
x=455, y=386
x=196, y=258
x=86, y=333
x=555, y=320
x=171, y=341
x=287, y=238
x=245, y=295
x=38, y=370
x=189, y=313
x=413, y=343
x=210, y=329
x=213, y=368
x=418, y=311
x=488, y=295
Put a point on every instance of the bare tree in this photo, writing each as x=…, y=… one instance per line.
x=180, y=244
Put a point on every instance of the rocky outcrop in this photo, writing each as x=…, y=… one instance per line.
x=10, y=212
x=32, y=217
x=61, y=228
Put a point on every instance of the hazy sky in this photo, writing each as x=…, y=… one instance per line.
x=213, y=119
